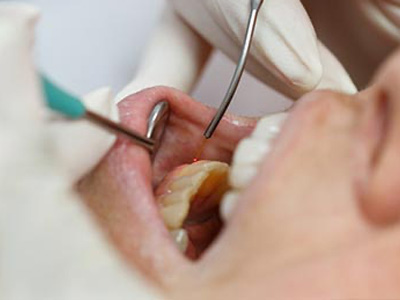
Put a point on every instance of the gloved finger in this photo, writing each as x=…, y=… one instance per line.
x=334, y=77
x=285, y=51
x=80, y=145
x=174, y=57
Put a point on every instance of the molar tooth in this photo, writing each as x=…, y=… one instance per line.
x=174, y=215
x=269, y=127
x=193, y=169
x=228, y=205
x=186, y=181
x=181, y=239
x=180, y=184
x=176, y=196
x=208, y=186
x=204, y=181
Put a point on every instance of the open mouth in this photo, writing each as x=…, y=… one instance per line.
x=156, y=209
x=170, y=217
x=164, y=212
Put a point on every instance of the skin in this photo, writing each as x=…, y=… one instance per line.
x=321, y=220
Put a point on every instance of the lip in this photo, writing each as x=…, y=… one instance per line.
x=120, y=190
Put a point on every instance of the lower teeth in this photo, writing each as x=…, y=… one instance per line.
x=181, y=239
x=205, y=183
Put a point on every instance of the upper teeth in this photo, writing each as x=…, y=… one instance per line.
x=228, y=204
x=248, y=157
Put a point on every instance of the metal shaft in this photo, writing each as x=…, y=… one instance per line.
x=251, y=25
x=120, y=129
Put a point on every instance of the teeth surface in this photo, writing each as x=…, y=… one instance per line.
x=250, y=152
x=241, y=175
x=269, y=127
x=204, y=180
x=248, y=157
x=228, y=205
x=175, y=214
x=181, y=239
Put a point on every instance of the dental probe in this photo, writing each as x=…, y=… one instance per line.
x=73, y=108
x=251, y=25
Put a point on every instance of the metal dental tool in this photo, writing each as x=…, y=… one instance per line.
x=251, y=25
x=73, y=108
x=157, y=123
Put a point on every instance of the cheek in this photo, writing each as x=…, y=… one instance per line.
x=305, y=186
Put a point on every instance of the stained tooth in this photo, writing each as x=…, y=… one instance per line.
x=176, y=196
x=82, y=145
x=174, y=215
x=181, y=239
x=187, y=181
x=228, y=205
x=205, y=180
x=241, y=175
x=193, y=169
x=181, y=183
x=269, y=127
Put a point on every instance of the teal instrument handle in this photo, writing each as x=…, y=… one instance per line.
x=61, y=101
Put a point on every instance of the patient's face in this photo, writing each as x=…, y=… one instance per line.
x=320, y=219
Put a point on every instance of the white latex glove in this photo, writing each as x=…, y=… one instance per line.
x=360, y=32
x=285, y=54
x=49, y=246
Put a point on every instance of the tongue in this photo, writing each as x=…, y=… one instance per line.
x=120, y=190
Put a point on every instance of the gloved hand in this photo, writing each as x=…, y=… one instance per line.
x=50, y=248
x=360, y=32
x=285, y=54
